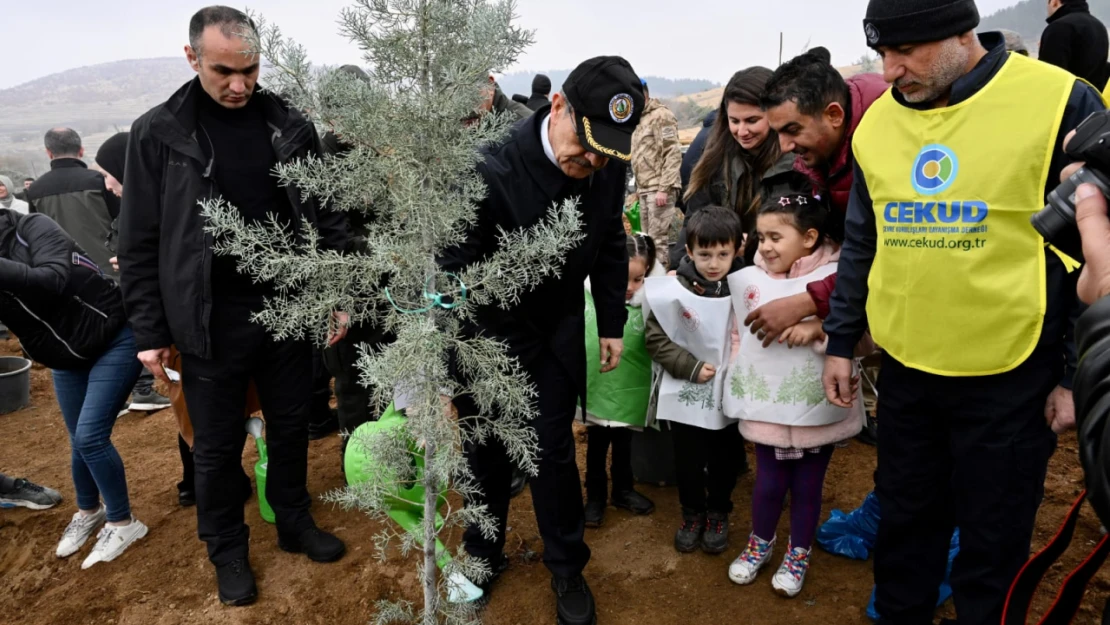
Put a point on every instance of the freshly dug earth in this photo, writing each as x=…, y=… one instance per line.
x=635, y=573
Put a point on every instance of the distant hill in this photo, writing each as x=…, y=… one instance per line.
x=521, y=82
x=1028, y=18
x=95, y=101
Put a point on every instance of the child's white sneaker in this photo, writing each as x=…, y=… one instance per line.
x=114, y=540
x=756, y=555
x=78, y=531
x=791, y=575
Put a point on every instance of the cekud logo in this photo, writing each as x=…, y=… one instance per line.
x=934, y=171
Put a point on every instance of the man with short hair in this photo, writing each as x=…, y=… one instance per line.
x=575, y=149
x=971, y=307
x=219, y=136
x=21, y=192
x=656, y=161
x=815, y=113
x=1076, y=41
x=75, y=196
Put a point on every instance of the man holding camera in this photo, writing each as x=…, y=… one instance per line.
x=970, y=306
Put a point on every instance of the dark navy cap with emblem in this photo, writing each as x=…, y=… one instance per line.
x=608, y=99
x=900, y=22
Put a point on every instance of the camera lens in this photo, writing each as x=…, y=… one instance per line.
x=1056, y=222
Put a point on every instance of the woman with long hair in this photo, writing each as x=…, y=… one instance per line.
x=742, y=162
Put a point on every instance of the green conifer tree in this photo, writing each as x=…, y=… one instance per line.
x=411, y=170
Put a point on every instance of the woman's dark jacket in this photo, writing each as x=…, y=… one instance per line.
x=64, y=310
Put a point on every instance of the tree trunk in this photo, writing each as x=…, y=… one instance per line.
x=431, y=490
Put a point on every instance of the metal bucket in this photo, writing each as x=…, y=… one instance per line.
x=15, y=383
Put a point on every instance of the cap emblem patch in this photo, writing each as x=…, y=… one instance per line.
x=872, y=33
x=620, y=108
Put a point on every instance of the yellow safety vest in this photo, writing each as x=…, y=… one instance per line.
x=958, y=283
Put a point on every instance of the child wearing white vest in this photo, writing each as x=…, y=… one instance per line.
x=690, y=332
x=617, y=401
x=777, y=392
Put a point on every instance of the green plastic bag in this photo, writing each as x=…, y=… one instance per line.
x=621, y=395
x=633, y=214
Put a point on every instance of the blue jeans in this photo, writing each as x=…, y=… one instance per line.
x=90, y=399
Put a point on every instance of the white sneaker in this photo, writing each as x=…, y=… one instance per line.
x=791, y=575
x=113, y=540
x=78, y=531
x=745, y=568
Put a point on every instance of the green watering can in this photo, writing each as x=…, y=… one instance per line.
x=406, y=503
x=254, y=428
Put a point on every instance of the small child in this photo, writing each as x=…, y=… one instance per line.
x=617, y=401
x=777, y=393
x=690, y=331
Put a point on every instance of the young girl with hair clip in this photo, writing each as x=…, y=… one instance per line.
x=777, y=393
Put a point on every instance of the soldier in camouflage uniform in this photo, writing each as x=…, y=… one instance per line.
x=656, y=160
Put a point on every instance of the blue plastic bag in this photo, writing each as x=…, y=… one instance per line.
x=945, y=588
x=851, y=535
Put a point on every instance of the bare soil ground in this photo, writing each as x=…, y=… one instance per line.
x=637, y=576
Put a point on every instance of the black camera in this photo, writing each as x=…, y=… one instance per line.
x=1091, y=144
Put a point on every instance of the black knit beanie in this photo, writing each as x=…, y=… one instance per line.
x=899, y=22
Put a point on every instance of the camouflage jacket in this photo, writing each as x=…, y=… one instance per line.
x=656, y=153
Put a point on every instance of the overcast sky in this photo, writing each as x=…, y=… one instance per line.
x=672, y=38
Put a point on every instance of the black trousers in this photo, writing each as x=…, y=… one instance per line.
x=599, y=440
x=352, y=398
x=958, y=452
x=556, y=490
x=707, y=464
x=216, y=390
x=188, y=468
x=320, y=408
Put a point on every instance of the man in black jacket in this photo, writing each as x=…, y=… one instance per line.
x=220, y=137
x=1076, y=41
x=76, y=197
x=575, y=149
x=967, y=428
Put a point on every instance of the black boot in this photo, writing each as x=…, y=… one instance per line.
x=520, y=480
x=715, y=538
x=633, y=501
x=497, y=566
x=595, y=512
x=574, y=603
x=315, y=543
x=688, y=536
x=236, y=583
x=323, y=425
x=186, y=498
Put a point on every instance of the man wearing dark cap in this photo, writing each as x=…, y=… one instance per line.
x=541, y=88
x=575, y=149
x=941, y=263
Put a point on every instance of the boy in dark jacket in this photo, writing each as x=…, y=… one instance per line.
x=708, y=457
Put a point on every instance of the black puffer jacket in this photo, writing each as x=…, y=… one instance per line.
x=63, y=309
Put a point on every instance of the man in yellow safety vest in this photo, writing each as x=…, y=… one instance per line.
x=970, y=306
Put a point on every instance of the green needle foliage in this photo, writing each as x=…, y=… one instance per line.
x=410, y=170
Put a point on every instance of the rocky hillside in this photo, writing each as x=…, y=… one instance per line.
x=96, y=101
